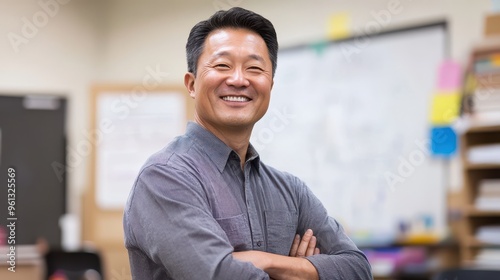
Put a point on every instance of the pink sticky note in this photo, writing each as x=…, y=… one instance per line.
x=449, y=76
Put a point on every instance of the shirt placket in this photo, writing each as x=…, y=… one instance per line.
x=253, y=215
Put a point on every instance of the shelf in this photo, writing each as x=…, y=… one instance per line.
x=478, y=166
x=489, y=44
x=474, y=243
x=486, y=128
x=474, y=212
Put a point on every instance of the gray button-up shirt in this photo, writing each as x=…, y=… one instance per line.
x=192, y=205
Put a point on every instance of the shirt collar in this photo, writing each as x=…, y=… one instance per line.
x=216, y=150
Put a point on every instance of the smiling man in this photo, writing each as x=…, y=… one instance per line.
x=206, y=206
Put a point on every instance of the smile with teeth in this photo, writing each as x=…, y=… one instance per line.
x=236, y=98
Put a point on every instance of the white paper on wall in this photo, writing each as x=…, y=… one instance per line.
x=137, y=130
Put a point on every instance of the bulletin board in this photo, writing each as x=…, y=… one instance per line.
x=345, y=114
x=129, y=124
x=33, y=148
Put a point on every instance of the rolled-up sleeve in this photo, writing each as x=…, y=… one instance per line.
x=170, y=231
x=339, y=258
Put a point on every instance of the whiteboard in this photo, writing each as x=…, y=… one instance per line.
x=345, y=114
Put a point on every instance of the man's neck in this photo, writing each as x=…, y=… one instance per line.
x=237, y=139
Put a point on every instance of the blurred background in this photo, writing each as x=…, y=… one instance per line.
x=393, y=96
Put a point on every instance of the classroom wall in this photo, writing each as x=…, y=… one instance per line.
x=140, y=35
x=54, y=53
x=118, y=41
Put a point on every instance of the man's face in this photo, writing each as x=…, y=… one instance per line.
x=233, y=83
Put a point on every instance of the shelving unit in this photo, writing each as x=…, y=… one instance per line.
x=484, y=130
x=482, y=108
x=473, y=173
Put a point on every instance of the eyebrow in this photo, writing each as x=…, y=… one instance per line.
x=252, y=56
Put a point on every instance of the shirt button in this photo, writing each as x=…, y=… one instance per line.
x=259, y=243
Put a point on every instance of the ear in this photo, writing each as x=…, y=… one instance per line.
x=189, y=83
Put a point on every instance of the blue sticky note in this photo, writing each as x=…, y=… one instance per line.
x=443, y=141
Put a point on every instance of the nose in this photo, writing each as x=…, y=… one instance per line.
x=237, y=79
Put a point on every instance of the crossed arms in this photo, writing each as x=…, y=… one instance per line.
x=292, y=267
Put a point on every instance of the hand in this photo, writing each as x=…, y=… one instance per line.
x=304, y=247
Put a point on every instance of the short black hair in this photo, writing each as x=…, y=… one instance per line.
x=233, y=18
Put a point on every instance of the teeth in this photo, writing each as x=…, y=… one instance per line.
x=235, y=98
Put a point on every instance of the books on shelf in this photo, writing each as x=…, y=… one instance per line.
x=488, y=234
x=487, y=80
x=488, y=195
x=490, y=186
x=484, y=100
x=487, y=64
x=481, y=119
x=488, y=257
x=488, y=203
x=484, y=154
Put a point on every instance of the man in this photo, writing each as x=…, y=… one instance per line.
x=206, y=206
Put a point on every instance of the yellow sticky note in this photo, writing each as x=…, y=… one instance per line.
x=338, y=26
x=445, y=108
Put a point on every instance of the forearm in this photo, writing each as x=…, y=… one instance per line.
x=340, y=258
x=278, y=266
x=284, y=267
x=345, y=265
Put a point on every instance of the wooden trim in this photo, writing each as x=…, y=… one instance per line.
x=490, y=44
x=491, y=128
x=474, y=243
x=478, y=166
x=474, y=212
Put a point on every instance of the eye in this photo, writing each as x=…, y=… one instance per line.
x=255, y=69
x=221, y=66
